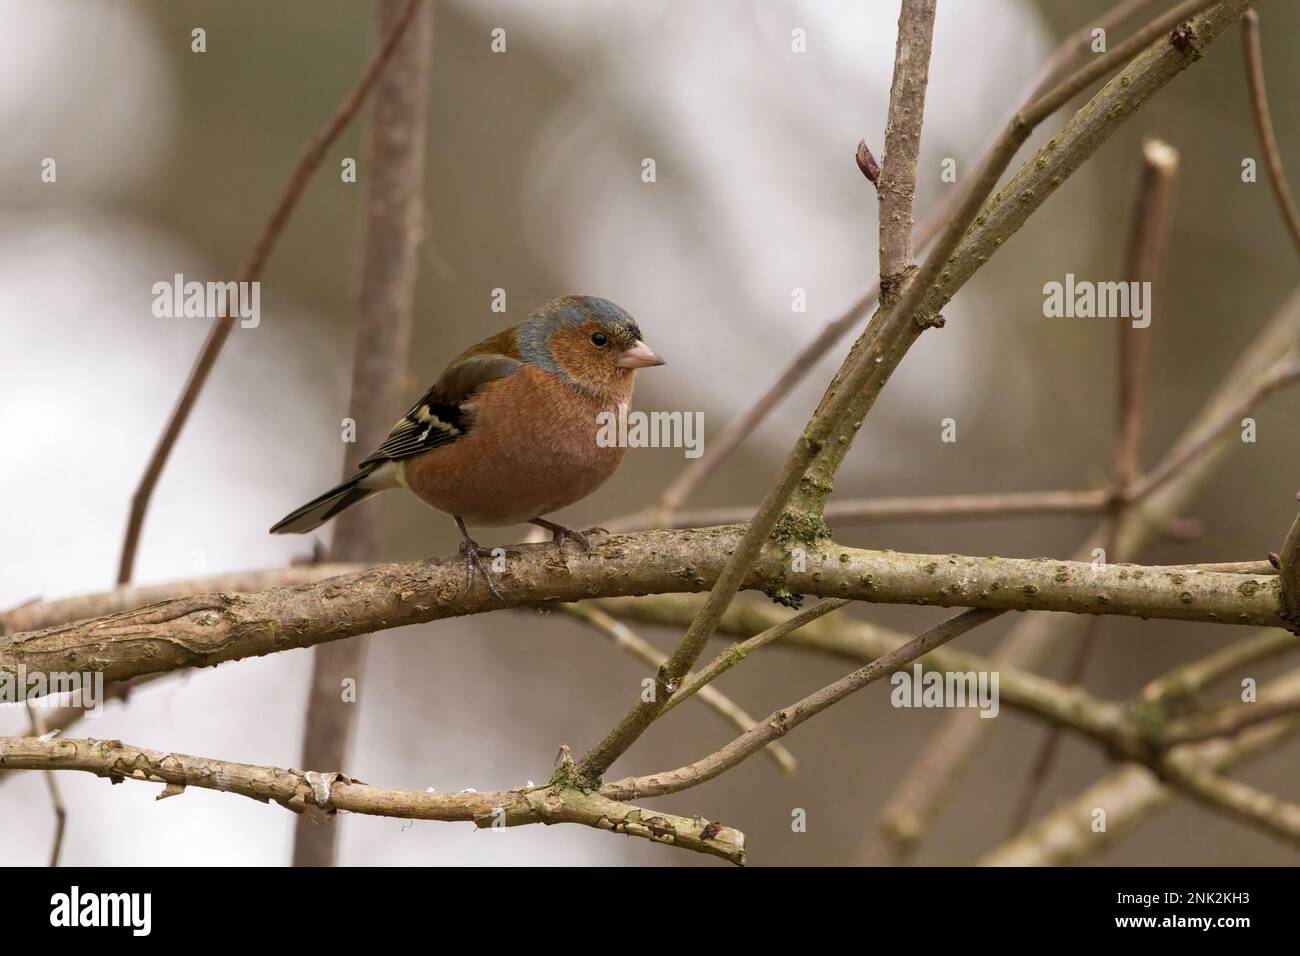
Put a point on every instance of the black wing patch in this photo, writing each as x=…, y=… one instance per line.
x=441, y=417
x=429, y=424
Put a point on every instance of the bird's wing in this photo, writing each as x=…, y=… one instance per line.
x=439, y=417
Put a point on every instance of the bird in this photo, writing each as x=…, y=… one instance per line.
x=508, y=433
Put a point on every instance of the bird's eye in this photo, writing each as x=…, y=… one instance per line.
x=599, y=339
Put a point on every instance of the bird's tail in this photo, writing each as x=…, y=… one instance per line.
x=319, y=510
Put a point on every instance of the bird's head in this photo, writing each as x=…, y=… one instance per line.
x=587, y=341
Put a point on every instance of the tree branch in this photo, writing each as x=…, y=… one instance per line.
x=1229, y=721
x=299, y=792
x=846, y=639
x=39, y=730
x=1257, y=809
x=624, y=638
x=42, y=614
x=202, y=630
x=1187, y=680
x=897, y=183
x=783, y=721
x=1264, y=124
x=698, y=682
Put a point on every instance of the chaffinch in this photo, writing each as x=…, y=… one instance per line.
x=508, y=432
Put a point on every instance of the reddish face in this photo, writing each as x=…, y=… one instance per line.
x=600, y=355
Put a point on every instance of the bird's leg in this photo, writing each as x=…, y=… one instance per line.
x=474, y=556
x=559, y=533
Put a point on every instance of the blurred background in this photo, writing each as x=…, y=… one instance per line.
x=170, y=161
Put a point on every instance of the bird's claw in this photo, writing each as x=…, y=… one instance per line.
x=474, y=556
x=560, y=534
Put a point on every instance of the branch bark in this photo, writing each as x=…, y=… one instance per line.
x=42, y=614
x=206, y=629
x=301, y=792
x=897, y=184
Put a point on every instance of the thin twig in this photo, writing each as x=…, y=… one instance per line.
x=221, y=328
x=897, y=185
x=1050, y=744
x=783, y=721
x=58, y=719
x=1255, y=808
x=1148, y=237
x=847, y=639
x=739, y=428
x=697, y=683
x=1188, y=680
x=1228, y=721
x=1283, y=374
x=626, y=639
x=39, y=729
x=1264, y=124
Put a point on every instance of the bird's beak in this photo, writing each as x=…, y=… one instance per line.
x=639, y=356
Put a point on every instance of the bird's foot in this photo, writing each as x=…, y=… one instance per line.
x=474, y=556
x=560, y=534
